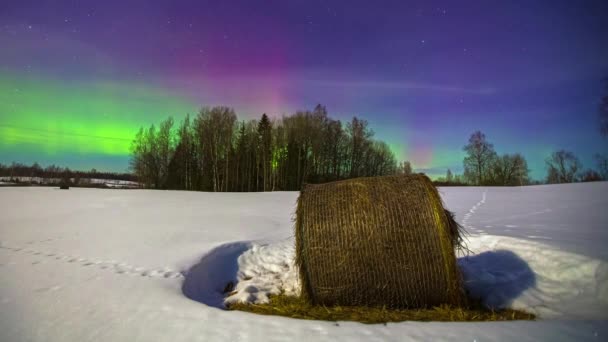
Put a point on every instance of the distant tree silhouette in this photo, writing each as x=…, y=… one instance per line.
x=508, y=170
x=591, y=176
x=53, y=174
x=562, y=167
x=601, y=161
x=603, y=111
x=404, y=168
x=480, y=154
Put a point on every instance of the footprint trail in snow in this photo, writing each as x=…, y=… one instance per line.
x=467, y=216
x=112, y=265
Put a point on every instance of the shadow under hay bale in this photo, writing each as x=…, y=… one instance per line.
x=378, y=241
x=206, y=282
x=496, y=278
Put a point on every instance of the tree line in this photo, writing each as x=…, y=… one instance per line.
x=483, y=166
x=254, y=166
x=214, y=151
x=18, y=171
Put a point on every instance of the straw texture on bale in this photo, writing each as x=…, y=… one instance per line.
x=378, y=241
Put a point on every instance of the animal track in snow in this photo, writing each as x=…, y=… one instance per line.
x=115, y=266
x=467, y=216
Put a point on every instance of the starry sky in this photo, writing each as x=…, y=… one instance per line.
x=78, y=78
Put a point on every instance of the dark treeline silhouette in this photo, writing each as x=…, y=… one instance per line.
x=565, y=167
x=450, y=179
x=603, y=110
x=21, y=173
x=483, y=166
x=214, y=151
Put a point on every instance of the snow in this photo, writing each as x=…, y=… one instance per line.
x=97, y=264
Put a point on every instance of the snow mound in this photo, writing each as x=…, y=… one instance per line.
x=245, y=272
x=266, y=270
x=528, y=275
x=206, y=281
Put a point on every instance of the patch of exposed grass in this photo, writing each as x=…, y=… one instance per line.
x=295, y=307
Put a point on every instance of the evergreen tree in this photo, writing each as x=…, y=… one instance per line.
x=264, y=150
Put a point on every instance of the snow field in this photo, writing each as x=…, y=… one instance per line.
x=93, y=264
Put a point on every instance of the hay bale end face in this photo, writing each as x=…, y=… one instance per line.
x=377, y=241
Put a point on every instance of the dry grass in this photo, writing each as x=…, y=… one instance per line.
x=295, y=307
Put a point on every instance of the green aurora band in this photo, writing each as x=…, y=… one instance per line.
x=47, y=119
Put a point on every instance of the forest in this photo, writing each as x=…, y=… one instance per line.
x=214, y=151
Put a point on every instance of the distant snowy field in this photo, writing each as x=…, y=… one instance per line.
x=108, y=265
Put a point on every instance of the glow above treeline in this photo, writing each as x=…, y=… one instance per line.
x=53, y=117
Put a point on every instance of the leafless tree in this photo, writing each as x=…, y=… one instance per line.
x=404, y=168
x=603, y=111
x=562, y=167
x=508, y=170
x=601, y=161
x=480, y=154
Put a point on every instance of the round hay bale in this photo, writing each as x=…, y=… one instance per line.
x=377, y=241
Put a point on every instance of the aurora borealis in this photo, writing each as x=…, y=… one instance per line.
x=78, y=78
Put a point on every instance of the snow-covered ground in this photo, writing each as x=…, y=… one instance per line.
x=93, y=264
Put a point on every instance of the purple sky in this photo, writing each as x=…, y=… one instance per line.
x=425, y=74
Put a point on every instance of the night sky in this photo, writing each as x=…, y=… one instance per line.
x=78, y=78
